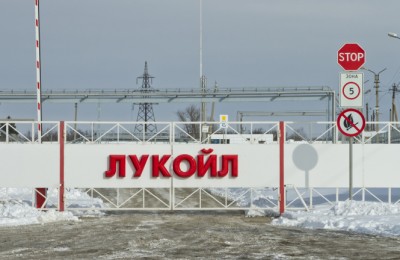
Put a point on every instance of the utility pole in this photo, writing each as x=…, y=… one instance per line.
x=376, y=81
x=203, y=104
x=213, y=104
x=393, y=114
x=373, y=120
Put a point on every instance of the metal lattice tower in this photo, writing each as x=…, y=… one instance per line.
x=146, y=113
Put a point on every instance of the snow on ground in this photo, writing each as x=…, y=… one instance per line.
x=361, y=217
x=16, y=207
x=15, y=213
x=366, y=217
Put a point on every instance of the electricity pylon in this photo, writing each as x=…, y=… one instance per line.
x=146, y=113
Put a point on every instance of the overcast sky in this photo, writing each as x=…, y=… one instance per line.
x=103, y=44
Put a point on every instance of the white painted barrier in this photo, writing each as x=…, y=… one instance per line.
x=375, y=165
x=93, y=163
x=29, y=165
x=85, y=166
x=174, y=159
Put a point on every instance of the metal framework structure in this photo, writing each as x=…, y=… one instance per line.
x=146, y=113
x=181, y=95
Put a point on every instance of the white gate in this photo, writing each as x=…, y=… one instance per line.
x=192, y=166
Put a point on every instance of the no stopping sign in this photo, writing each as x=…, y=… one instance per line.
x=351, y=122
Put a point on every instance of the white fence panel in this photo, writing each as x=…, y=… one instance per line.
x=318, y=165
x=327, y=165
x=30, y=165
x=380, y=165
x=258, y=166
x=86, y=164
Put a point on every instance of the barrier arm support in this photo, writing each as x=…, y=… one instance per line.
x=281, y=167
x=41, y=193
x=62, y=143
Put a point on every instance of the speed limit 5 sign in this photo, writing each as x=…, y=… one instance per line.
x=351, y=89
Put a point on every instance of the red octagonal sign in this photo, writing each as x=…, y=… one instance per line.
x=351, y=56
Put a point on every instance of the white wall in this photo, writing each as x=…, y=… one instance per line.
x=85, y=165
x=29, y=165
x=37, y=165
x=374, y=165
x=258, y=165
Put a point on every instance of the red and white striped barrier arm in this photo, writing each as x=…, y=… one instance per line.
x=38, y=72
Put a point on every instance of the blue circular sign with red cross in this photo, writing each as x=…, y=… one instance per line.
x=351, y=122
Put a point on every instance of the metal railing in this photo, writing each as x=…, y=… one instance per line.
x=259, y=132
x=308, y=198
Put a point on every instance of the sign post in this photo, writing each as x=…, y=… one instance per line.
x=350, y=123
x=351, y=168
x=223, y=119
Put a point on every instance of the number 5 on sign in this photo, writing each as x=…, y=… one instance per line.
x=351, y=89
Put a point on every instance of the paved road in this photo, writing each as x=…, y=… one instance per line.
x=183, y=235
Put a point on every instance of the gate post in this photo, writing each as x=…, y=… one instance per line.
x=281, y=167
x=62, y=143
x=40, y=197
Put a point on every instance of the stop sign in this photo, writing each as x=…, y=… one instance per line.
x=351, y=56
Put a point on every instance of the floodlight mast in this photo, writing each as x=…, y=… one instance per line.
x=202, y=77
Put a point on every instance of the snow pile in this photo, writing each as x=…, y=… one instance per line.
x=261, y=201
x=355, y=216
x=15, y=213
x=16, y=207
x=257, y=197
x=78, y=199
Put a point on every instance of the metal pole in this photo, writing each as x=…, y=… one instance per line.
x=377, y=101
x=334, y=139
x=202, y=80
x=41, y=193
x=62, y=167
x=38, y=71
x=393, y=102
x=75, y=118
x=366, y=116
x=201, y=39
x=350, y=168
x=393, y=114
x=281, y=167
x=376, y=81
